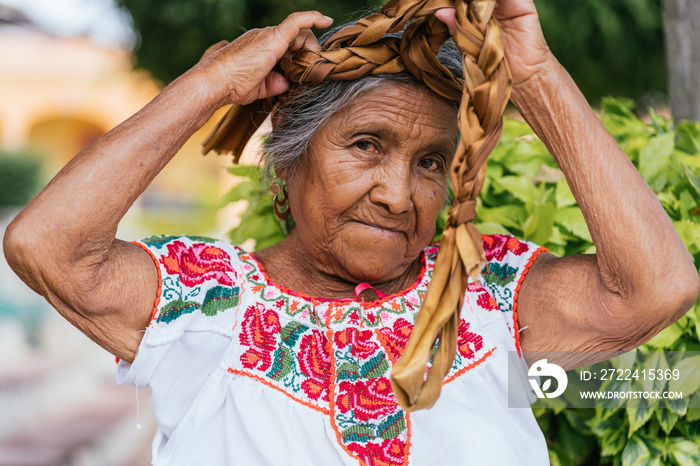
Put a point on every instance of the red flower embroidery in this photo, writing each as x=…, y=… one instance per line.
x=494, y=246
x=315, y=362
x=468, y=342
x=380, y=454
x=371, y=399
x=198, y=263
x=484, y=298
x=360, y=341
x=394, y=339
x=259, y=332
x=516, y=247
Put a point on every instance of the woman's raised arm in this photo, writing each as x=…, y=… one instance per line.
x=641, y=278
x=63, y=243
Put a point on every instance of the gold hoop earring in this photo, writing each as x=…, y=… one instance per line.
x=280, y=201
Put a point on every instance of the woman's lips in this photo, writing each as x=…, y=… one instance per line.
x=382, y=230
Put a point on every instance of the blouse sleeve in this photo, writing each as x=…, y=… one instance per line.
x=508, y=261
x=194, y=311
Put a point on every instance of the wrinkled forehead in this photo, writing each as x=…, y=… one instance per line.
x=400, y=104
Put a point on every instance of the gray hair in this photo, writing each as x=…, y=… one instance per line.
x=310, y=106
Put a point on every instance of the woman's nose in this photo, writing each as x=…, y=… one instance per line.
x=393, y=191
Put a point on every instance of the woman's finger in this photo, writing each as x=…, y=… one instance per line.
x=305, y=40
x=447, y=16
x=289, y=29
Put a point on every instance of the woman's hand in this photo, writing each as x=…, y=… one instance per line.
x=241, y=72
x=525, y=48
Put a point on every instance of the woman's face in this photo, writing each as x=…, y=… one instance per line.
x=366, y=198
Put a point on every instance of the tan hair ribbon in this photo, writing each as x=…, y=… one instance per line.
x=361, y=49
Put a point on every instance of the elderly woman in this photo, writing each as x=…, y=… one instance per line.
x=283, y=356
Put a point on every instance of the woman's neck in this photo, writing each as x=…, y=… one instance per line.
x=288, y=265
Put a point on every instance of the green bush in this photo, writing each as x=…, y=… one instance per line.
x=19, y=177
x=526, y=195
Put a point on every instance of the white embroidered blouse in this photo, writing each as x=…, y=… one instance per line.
x=244, y=371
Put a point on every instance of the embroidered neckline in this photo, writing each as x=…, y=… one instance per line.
x=325, y=313
x=377, y=302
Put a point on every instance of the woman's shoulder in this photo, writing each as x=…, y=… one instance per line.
x=199, y=283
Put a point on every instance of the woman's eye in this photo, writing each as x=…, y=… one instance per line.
x=365, y=145
x=429, y=163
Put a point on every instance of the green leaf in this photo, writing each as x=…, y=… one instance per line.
x=613, y=442
x=689, y=136
x=690, y=234
x=572, y=219
x=538, y=228
x=685, y=452
x=510, y=216
x=577, y=445
x=635, y=452
x=554, y=458
x=667, y=337
x=693, y=414
x=563, y=195
x=694, y=183
x=491, y=228
x=688, y=381
x=247, y=171
x=693, y=429
x=667, y=419
x=654, y=158
x=520, y=187
x=638, y=416
x=656, y=364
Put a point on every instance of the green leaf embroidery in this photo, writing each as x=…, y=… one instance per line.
x=282, y=363
x=358, y=433
x=175, y=309
x=219, y=299
x=291, y=332
x=392, y=426
x=377, y=366
x=347, y=371
x=158, y=241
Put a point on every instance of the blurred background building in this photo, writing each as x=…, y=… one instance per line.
x=60, y=91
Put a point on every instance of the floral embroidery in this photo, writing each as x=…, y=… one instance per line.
x=259, y=333
x=468, y=343
x=360, y=342
x=394, y=338
x=198, y=263
x=365, y=413
x=484, y=299
x=332, y=356
x=315, y=363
